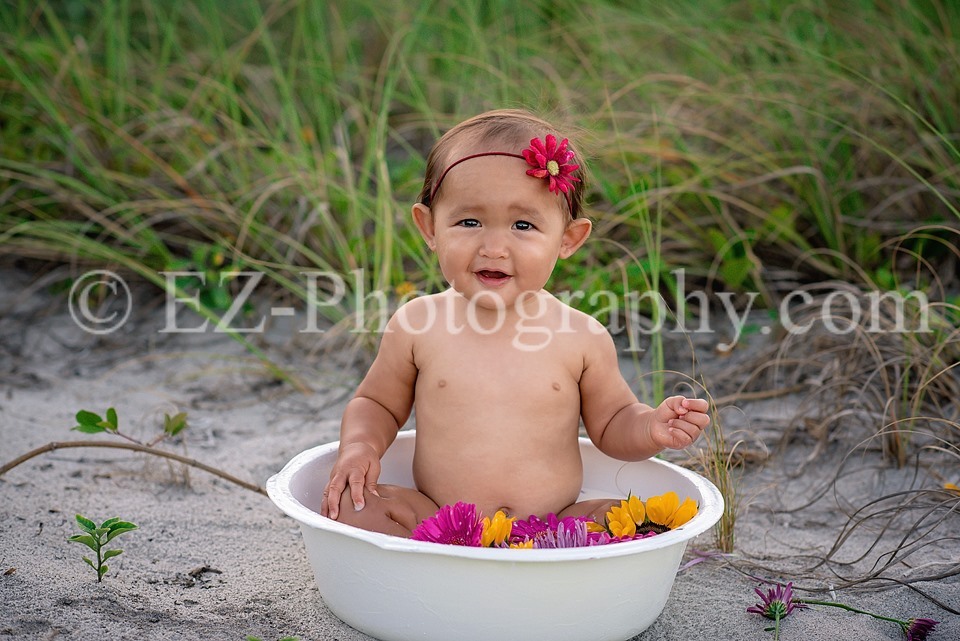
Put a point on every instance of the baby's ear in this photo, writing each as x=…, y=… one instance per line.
x=423, y=218
x=575, y=235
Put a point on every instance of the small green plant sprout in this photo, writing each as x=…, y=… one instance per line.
x=92, y=423
x=173, y=425
x=96, y=537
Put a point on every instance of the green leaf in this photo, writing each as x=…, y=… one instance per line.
x=88, y=429
x=102, y=571
x=86, y=539
x=716, y=238
x=734, y=271
x=118, y=531
x=86, y=524
x=112, y=417
x=90, y=563
x=173, y=425
x=109, y=554
x=109, y=522
x=217, y=298
x=88, y=418
x=885, y=279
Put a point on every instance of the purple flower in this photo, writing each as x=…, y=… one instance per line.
x=460, y=524
x=919, y=629
x=570, y=533
x=600, y=538
x=637, y=536
x=535, y=528
x=916, y=629
x=776, y=603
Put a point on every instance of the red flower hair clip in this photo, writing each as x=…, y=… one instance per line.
x=547, y=158
x=551, y=161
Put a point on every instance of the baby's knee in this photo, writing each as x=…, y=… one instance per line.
x=373, y=516
x=594, y=509
x=346, y=502
x=349, y=512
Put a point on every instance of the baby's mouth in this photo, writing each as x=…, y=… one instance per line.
x=492, y=276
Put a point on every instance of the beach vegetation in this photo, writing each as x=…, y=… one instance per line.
x=96, y=538
x=91, y=423
x=765, y=148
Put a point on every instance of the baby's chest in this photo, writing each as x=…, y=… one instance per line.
x=538, y=378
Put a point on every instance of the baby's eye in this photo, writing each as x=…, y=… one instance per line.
x=522, y=225
x=469, y=222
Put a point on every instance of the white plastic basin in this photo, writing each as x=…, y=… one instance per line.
x=396, y=589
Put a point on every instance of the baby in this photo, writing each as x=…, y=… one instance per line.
x=498, y=370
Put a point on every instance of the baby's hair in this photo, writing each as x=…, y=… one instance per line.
x=508, y=130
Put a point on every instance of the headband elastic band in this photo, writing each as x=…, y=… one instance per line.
x=548, y=160
x=436, y=187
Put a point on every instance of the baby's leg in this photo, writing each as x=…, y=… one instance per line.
x=397, y=511
x=595, y=509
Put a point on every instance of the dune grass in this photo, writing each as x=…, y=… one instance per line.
x=758, y=146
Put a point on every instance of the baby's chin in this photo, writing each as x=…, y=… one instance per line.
x=492, y=301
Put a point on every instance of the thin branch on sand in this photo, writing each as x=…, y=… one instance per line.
x=136, y=447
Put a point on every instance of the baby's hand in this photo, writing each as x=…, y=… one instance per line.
x=358, y=467
x=678, y=421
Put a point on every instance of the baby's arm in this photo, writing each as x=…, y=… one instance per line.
x=618, y=423
x=371, y=419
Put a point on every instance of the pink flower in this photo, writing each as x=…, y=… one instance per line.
x=635, y=537
x=600, y=538
x=459, y=524
x=551, y=161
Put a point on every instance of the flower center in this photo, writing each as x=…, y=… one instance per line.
x=553, y=167
x=775, y=609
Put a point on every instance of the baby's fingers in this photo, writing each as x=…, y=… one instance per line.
x=330, y=505
x=686, y=430
x=357, y=482
x=695, y=405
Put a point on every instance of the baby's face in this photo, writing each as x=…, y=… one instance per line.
x=497, y=231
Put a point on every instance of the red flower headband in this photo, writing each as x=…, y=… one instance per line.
x=547, y=158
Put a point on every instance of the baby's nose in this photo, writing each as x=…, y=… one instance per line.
x=494, y=245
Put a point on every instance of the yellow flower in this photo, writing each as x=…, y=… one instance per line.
x=686, y=511
x=405, y=289
x=951, y=487
x=666, y=510
x=637, y=513
x=495, y=532
x=661, y=508
x=528, y=544
x=620, y=522
x=593, y=526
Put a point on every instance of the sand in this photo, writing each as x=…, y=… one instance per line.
x=211, y=560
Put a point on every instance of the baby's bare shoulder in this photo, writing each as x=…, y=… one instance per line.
x=418, y=316
x=579, y=323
